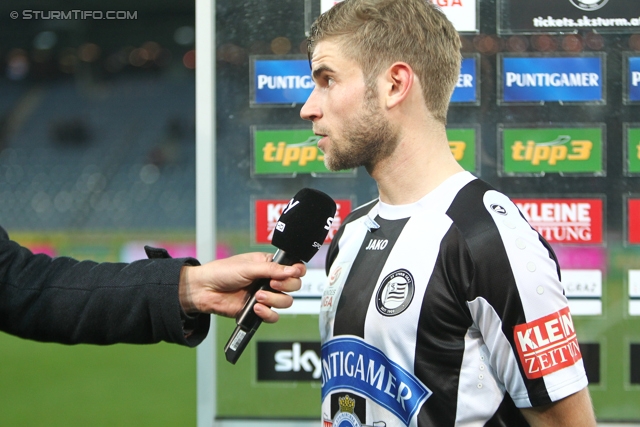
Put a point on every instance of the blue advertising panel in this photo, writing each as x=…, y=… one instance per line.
x=466, y=90
x=284, y=82
x=633, y=80
x=527, y=80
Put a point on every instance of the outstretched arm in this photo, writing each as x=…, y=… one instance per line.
x=221, y=286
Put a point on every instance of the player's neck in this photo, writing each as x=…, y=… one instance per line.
x=417, y=166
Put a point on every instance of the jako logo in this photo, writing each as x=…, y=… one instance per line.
x=295, y=360
x=377, y=244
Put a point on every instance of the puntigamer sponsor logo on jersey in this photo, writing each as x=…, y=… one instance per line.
x=462, y=143
x=634, y=78
x=548, y=344
x=281, y=81
x=267, y=213
x=567, y=150
x=350, y=364
x=287, y=151
x=568, y=79
x=570, y=221
x=466, y=87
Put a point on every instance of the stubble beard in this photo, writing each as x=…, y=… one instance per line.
x=368, y=139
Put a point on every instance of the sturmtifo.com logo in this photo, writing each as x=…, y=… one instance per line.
x=589, y=4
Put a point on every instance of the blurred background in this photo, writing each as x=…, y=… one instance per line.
x=97, y=155
x=97, y=158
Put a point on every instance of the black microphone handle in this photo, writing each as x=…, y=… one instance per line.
x=247, y=320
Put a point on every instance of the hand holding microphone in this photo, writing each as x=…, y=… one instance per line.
x=299, y=233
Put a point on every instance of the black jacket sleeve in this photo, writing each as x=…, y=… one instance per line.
x=71, y=302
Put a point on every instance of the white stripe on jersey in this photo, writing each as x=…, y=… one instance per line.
x=401, y=343
x=538, y=284
x=500, y=354
x=479, y=392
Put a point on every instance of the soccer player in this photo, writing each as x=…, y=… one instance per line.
x=443, y=306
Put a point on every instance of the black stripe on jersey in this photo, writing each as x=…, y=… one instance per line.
x=332, y=253
x=442, y=326
x=363, y=278
x=491, y=265
x=507, y=415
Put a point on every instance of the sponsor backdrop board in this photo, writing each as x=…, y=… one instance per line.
x=631, y=156
x=631, y=79
x=287, y=151
x=561, y=16
x=465, y=146
x=565, y=221
x=565, y=150
x=463, y=14
x=467, y=87
x=563, y=79
x=528, y=115
x=280, y=81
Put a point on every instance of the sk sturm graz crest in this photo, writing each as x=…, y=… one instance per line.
x=395, y=293
x=346, y=416
x=589, y=4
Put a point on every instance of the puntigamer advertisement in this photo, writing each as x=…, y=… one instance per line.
x=561, y=16
x=564, y=79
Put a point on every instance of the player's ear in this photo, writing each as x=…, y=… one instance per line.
x=398, y=81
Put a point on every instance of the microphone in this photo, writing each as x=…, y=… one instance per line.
x=299, y=233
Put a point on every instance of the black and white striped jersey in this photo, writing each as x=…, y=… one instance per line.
x=446, y=312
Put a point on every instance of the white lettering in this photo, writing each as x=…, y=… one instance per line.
x=525, y=340
x=292, y=204
x=552, y=79
x=377, y=244
x=329, y=222
x=371, y=377
x=465, y=80
x=402, y=397
x=284, y=82
x=391, y=384
x=294, y=360
x=553, y=330
x=284, y=360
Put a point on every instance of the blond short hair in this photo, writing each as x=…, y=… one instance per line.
x=377, y=33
